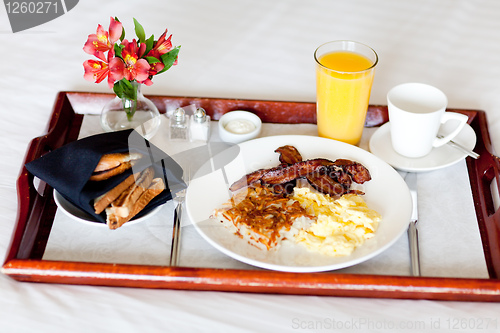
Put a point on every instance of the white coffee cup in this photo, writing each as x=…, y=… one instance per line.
x=416, y=113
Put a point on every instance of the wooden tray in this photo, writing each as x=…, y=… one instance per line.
x=36, y=210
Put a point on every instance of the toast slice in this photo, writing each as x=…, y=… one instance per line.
x=114, y=164
x=123, y=205
x=106, y=199
x=115, y=221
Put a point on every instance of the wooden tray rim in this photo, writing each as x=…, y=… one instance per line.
x=31, y=269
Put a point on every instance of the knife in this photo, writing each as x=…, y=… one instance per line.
x=411, y=181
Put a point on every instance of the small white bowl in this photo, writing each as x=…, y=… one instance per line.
x=230, y=136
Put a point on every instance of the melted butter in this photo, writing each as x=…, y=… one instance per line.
x=240, y=126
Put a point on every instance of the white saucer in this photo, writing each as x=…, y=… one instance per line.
x=441, y=157
x=81, y=216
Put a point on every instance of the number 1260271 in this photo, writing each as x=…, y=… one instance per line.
x=31, y=7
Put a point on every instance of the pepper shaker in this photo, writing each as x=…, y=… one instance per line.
x=200, y=125
x=179, y=125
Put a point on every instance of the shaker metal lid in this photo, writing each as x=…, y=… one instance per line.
x=200, y=115
x=179, y=115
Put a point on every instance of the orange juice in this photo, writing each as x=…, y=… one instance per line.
x=343, y=83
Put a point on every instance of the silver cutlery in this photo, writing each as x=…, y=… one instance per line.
x=176, y=232
x=411, y=181
x=462, y=148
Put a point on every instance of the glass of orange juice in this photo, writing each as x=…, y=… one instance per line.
x=344, y=76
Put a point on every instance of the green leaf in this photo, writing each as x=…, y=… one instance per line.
x=169, y=58
x=139, y=31
x=118, y=50
x=152, y=60
x=118, y=89
x=128, y=89
x=149, y=44
x=124, y=88
x=122, y=37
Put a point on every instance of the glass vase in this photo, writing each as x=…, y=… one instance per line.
x=137, y=113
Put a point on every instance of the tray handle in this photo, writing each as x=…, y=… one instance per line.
x=484, y=175
x=30, y=237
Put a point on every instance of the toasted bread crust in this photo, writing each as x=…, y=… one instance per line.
x=128, y=198
x=114, y=164
x=105, y=200
x=111, y=161
x=115, y=221
x=123, y=205
x=156, y=187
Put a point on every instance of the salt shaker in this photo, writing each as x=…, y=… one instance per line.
x=179, y=125
x=199, y=126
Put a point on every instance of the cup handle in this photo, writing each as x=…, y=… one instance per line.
x=438, y=142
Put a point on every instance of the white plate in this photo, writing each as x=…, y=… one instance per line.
x=81, y=216
x=387, y=193
x=441, y=157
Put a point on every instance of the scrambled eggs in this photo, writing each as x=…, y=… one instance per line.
x=342, y=224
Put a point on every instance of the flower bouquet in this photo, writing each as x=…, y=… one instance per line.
x=126, y=65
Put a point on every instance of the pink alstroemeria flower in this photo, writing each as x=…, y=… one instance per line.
x=162, y=46
x=95, y=70
x=98, y=70
x=135, y=68
x=102, y=40
x=153, y=70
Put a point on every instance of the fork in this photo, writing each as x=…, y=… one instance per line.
x=176, y=232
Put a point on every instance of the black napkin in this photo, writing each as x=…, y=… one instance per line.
x=68, y=168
